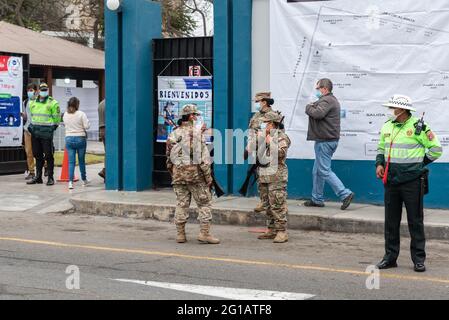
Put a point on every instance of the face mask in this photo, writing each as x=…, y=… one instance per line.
x=43, y=94
x=30, y=94
x=318, y=94
x=263, y=126
x=199, y=122
x=257, y=106
x=392, y=116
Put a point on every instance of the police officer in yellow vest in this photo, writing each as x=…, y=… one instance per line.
x=45, y=119
x=406, y=147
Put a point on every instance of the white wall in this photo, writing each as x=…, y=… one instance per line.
x=260, y=47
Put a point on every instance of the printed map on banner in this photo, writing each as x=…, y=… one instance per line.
x=370, y=50
x=174, y=93
x=11, y=88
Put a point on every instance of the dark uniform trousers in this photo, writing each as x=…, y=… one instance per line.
x=410, y=194
x=43, y=152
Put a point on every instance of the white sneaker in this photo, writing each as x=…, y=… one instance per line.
x=85, y=183
x=70, y=185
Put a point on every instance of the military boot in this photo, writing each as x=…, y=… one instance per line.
x=270, y=234
x=181, y=228
x=205, y=237
x=281, y=237
x=260, y=208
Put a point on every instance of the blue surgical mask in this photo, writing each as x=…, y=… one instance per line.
x=43, y=94
x=263, y=126
x=318, y=94
x=199, y=122
x=257, y=106
x=30, y=94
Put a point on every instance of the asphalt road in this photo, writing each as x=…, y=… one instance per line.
x=37, y=249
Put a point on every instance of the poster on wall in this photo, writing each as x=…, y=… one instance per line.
x=88, y=98
x=11, y=90
x=174, y=93
x=371, y=51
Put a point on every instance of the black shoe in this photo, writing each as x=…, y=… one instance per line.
x=30, y=176
x=347, y=201
x=384, y=264
x=420, y=267
x=36, y=180
x=310, y=203
x=102, y=174
x=50, y=181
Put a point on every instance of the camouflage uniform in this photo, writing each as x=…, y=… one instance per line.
x=273, y=181
x=273, y=178
x=189, y=164
x=254, y=126
x=189, y=179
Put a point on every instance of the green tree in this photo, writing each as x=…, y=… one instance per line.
x=177, y=19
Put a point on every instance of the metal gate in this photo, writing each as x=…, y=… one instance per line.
x=13, y=159
x=173, y=57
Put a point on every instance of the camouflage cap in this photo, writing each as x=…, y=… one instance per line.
x=189, y=109
x=275, y=117
x=262, y=95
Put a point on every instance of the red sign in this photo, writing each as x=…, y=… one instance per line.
x=4, y=63
x=194, y=71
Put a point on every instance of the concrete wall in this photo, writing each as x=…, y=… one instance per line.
x=129, y=94
x=234, y=30
x=260, y=32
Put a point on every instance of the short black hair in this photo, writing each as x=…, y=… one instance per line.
x=32, y=86
x=269, y=101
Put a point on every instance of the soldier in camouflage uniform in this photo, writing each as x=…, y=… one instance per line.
x=273, y=177
x=189, y=164
x=265, y=101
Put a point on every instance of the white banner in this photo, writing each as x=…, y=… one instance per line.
x=11, y=89
x=88, y=104
x=371, y=50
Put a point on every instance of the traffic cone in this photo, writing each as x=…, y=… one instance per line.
x=65, y=169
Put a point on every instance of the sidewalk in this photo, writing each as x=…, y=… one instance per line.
x=16, y=196
x=160, y=205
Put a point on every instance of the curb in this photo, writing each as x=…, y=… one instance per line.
x=224, y=216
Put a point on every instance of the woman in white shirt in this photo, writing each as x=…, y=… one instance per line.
x=76, y=126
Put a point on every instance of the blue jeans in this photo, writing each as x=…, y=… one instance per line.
x=74, y=145
x=322, y=172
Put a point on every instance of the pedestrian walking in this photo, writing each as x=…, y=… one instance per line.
x=324, y=129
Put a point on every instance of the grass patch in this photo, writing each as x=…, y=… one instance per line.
x=90, y=158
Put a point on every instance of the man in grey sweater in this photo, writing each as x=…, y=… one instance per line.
x=324, y=129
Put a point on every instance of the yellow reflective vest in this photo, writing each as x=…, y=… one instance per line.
x=409, y=153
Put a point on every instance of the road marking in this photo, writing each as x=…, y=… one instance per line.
x=228, y=260
x=224, y=292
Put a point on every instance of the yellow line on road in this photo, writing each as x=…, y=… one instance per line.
x=218, y=259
